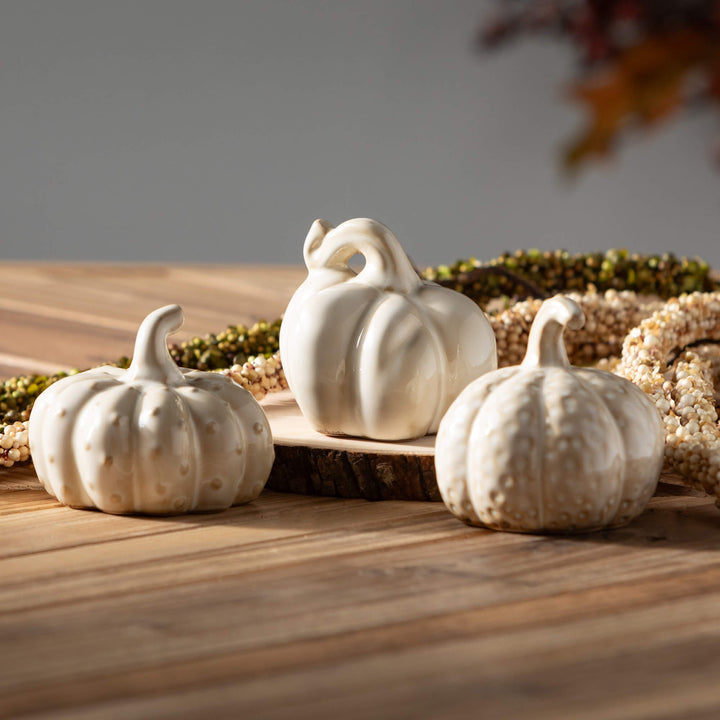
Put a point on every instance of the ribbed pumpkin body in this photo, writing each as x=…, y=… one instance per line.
x=124, y=443
x=545, y=447
x=380, y=353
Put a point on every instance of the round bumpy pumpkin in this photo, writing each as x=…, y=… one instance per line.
x=547, y=447
x=378, y=353
x=152, y=439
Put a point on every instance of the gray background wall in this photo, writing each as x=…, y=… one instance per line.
x=176, y=130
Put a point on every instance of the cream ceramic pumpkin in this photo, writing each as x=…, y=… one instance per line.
x=152, y=439
x=547, y=447
x=379, y=353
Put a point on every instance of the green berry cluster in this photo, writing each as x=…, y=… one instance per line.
x=231, y=347
x=18, y=394
x=516, y=275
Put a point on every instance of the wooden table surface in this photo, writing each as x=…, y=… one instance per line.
x=306, y=607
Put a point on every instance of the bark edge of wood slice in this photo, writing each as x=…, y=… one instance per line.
x=310, y=463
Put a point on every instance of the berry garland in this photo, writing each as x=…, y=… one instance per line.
x=611, y=288
x=684, y=391
x=559, y=271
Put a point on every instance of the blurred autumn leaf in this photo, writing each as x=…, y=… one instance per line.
x=640, y=61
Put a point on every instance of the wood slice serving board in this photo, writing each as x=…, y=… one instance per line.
x=310, y=463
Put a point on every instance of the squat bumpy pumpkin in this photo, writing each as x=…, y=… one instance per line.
x=547, y=447
x=380, y=353
x=154, y=438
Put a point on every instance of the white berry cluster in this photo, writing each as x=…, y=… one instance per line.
x=14, y=444
x=609, y=316
x=684, y=392
x=259, y=375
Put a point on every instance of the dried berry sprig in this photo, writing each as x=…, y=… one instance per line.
x=260, y=375
x=683, y=393
x=560, y=271
x=609, y=316
x=233, y=346
x=18, y=393
x=14, y=447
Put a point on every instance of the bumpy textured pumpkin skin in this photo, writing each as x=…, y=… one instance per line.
x=379, y=353
x=546, y=447
x=153, y=439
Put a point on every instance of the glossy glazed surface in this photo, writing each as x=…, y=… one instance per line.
x=153, y=438
x=379, y=353
x=547, y=447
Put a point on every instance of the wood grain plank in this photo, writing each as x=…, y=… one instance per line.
x=239, y=545
x=61, y=316
x=476, y=648
x=254, y=540
x=323, y=607
x=453, y=680
x=64, y=343
x=115, y=294
x=348, y=586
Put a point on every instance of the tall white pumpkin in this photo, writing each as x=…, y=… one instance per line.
x=547, y=447
x=154, y=438
x=378, y=353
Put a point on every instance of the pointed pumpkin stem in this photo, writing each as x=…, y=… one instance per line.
x=318, y=230
x=151, y=358
x=386, y=264
x=545, y=345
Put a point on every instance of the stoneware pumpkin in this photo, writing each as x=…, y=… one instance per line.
x=378, y=353
x=152, y=439
x=547, y=447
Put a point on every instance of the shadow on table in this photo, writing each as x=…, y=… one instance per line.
x=309, y=513
x=677, y=517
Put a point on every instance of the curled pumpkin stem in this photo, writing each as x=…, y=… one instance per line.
x=545, y=344
x=151, y=359
x=385, y=261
